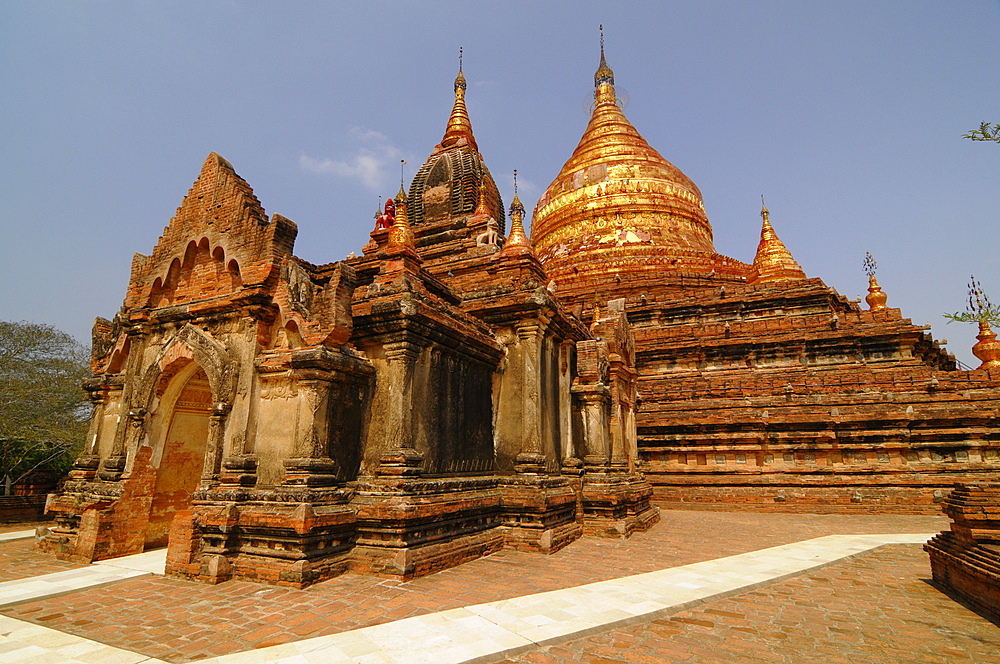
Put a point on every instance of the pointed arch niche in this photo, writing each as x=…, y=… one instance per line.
x=178, y=446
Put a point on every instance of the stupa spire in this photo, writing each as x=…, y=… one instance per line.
x=482, y=208
x=604, y=78
x=400, y=233
x=459, y=129
x=518, y=240
x=773, y=261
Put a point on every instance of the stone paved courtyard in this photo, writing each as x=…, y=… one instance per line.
x=874, y=607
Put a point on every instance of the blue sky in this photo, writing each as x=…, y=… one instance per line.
x=847, y=116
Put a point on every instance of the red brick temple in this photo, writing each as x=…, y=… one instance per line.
x=459, y=388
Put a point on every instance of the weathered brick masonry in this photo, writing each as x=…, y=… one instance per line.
x=453, y=391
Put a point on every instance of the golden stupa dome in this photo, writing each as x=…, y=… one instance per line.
x=617, y=200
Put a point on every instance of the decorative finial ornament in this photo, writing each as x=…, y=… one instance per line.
x=870, y=264
x=876, y=299
x=516, y=203
x=765, y=214
x=980, y=310
x=460, y=79
x=482, y=209
x=518, y=241
x=604, y=75
x=400, y=233
x=596, y=320
x=459, y=129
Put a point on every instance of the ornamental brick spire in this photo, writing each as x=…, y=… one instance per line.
x=773, y=261
x=459, y=129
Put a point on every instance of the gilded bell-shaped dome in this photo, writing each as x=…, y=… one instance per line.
x=617, y=200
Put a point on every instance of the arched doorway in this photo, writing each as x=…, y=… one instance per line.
x=181, y=456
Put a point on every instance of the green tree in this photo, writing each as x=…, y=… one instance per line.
x=43, y=412
x=986, y=132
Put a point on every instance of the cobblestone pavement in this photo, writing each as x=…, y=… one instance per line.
x=876, y=608
x=181, y=621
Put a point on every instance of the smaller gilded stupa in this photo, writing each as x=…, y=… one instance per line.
x=518, y=242
x=773, y=261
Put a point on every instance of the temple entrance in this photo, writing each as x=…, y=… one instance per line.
x=181, y=457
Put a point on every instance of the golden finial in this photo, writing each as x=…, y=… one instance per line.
x=604, y=78
x=518, y=240
x=773, y=261
x=597, y=317
x=459, y=129
x=482, y=210
x=460, y=79
x=876, y=299
x=515, y=205
x=400, y=233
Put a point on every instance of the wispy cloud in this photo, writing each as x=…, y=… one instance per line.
x=372, y=163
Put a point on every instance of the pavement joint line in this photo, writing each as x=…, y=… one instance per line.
x=492, y=631
x=16, y=535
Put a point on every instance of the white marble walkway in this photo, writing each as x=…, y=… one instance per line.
x=487, y=631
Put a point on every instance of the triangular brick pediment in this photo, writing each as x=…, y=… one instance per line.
x=218, y=242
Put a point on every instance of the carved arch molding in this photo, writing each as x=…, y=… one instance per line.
x=218, y=363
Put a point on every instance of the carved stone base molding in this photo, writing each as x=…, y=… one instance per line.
x=412, y=527
x=616, y=504
x=281, y=543
x=539, y=512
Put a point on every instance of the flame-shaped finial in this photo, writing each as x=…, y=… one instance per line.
x=870, y=265
x=596, y=320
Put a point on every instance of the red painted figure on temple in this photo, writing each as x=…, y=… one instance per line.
x=387, y=218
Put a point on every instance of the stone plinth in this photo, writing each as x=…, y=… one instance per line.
x=965, y=561
x=409, y=527
x=539, y=512
x=278, y=538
